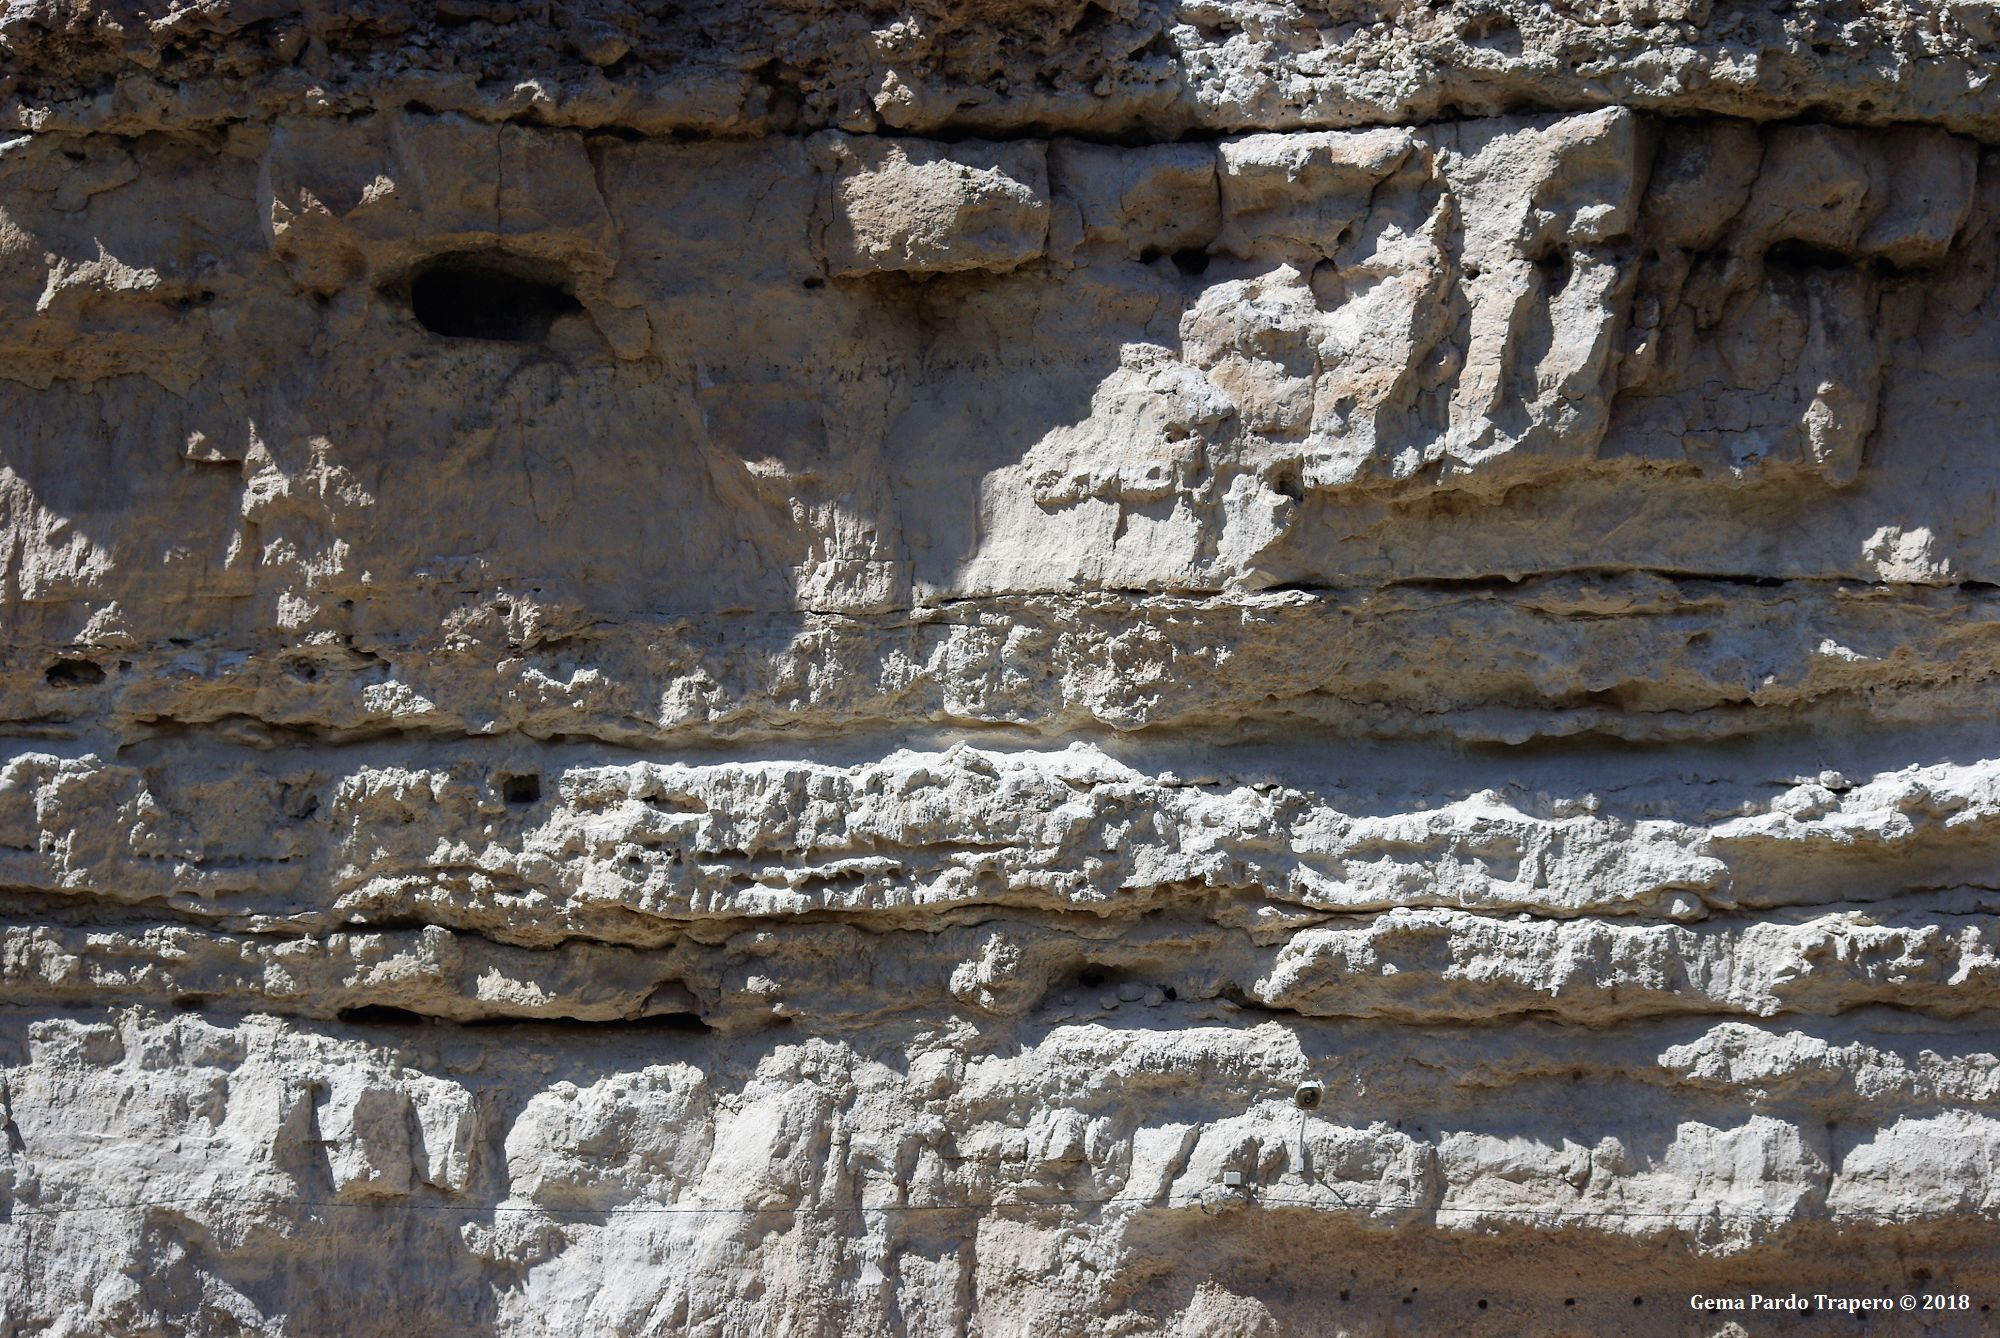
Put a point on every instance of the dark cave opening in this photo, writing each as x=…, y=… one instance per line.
x=485, y=296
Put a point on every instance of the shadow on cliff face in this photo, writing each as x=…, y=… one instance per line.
x=843, y=373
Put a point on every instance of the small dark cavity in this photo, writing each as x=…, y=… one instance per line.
x=73, y=674
x=687, y=1024
x=1189, y=260
x=191, y=1003
x=1096, y=976
x=522, y=789
x=1236, y=994
x=380, y=1015
x=489, y=296
x=814, y=282
x=1793, y=254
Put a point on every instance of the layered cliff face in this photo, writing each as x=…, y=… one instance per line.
x=1206, y=668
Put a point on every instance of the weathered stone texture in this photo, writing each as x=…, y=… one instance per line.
x=737, y=669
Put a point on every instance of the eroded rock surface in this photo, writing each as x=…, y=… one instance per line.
x=1022, y=668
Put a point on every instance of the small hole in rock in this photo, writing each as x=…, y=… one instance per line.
x=814, y=282
x=73, y=674
x=1191, y=260
x=689, y=1024
x=521, y=789
x=1795, y=254
x=484, y=296
x=379, y=1015
x=189, y=1003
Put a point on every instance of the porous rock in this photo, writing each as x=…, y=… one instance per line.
x=1185, y=667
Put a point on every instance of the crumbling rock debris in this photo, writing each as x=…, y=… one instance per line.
x=788, y=668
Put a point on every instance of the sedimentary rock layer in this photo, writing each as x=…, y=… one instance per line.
x=1093, y=669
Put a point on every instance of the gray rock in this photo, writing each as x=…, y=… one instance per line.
x=1021, y=668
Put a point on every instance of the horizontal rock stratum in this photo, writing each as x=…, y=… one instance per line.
x=1144, y=667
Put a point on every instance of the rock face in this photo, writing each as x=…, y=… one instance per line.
x=1186, y=667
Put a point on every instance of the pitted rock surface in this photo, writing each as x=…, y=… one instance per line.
x=1149, y=667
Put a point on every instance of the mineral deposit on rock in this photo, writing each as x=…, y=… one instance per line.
x=1077, y=668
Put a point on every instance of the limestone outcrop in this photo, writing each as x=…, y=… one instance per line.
x=1188, y=667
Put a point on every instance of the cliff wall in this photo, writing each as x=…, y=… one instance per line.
x=1213, y=667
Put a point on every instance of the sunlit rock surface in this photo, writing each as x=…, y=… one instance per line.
x=1016, y=668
